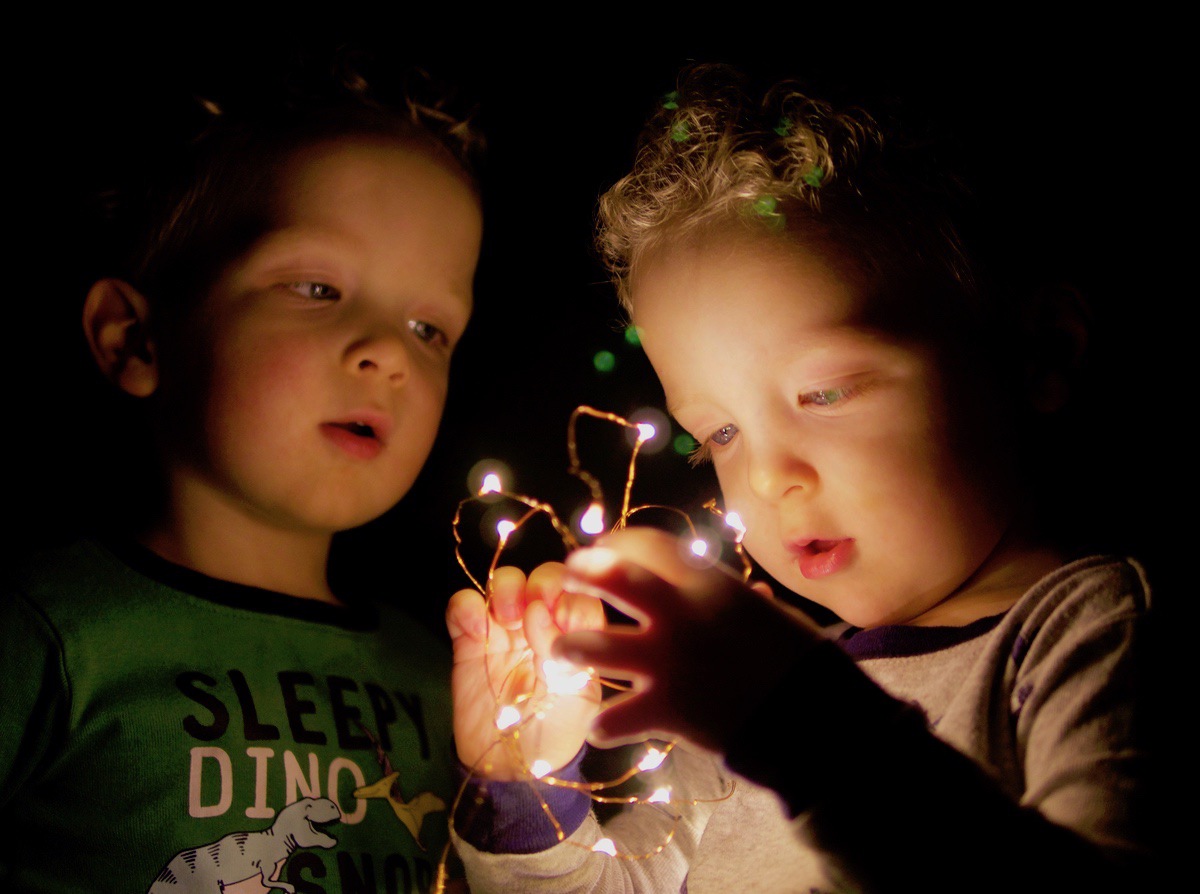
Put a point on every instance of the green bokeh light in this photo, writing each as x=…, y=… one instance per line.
x=684, y=444
x=633, y=335
x=604, y=361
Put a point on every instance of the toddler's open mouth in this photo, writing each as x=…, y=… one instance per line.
x=820, y=558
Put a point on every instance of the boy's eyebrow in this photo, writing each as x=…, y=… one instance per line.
x=298, y=239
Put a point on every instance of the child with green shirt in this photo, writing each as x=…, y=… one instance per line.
x=188, y=704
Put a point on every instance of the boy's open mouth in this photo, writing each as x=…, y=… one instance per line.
x=360, y=438
x=362, y=429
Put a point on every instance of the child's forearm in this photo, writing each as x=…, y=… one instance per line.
x=497, y=853
x=926, y=798
x=894, y=808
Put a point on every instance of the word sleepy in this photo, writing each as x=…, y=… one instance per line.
x=312, y=709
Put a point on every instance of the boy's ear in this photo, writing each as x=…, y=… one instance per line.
x=1058, y=323
x=115, y=321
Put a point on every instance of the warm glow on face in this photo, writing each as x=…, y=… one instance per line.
x=592, y=521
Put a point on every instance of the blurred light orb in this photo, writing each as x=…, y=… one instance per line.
x=564, y=678
x=652, y=759
x=649, y=424
x=486, y=472
x=592, y=521
x=660, y=796
x=684, y=444
x=507, y=716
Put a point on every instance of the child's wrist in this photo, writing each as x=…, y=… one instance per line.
x=848, y=712
x=510, y=817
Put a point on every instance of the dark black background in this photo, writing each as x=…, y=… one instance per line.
x=1060, y=122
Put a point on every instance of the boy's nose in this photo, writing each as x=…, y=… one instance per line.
x=775, y=470
x=381, y=353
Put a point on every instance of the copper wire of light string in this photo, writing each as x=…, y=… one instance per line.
x=509, y=737
x=747, y=568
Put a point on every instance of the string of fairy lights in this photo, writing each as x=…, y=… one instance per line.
x=515, y=713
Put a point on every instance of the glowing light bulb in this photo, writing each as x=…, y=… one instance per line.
x=605, y=846
x=563, y=678
x=646, y=431
x=652, y=759
x=659, y=796
x=699, y=548
x=540, y=768
x=507, y=717
x=735, y=521
x=592, y=521
x=491, y=484
x=504, y=527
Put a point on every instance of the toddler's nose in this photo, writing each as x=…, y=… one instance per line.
x=775, y=470
x=381, y=353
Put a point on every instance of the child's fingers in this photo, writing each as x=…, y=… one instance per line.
x=508, y=596
x=578, y=611
x=629, y=718
x=540, y=630
x=651, y=571
x=762, y=588
x=603, y=574
x=621, y=653
x=546, y=583
x=466, y=614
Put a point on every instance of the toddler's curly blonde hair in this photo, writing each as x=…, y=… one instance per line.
x=791, y=166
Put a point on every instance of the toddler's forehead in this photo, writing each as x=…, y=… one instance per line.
x=839, y=278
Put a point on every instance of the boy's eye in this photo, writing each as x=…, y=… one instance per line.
x=318, y=291
x=429, y=333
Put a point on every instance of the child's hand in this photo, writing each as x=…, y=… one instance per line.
x=708, y=646
x=496, y=663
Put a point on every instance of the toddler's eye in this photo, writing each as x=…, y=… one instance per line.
x=826, y=397
x=724, y=434
x=704, y=452
x=429, y=333
x=318, y=291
